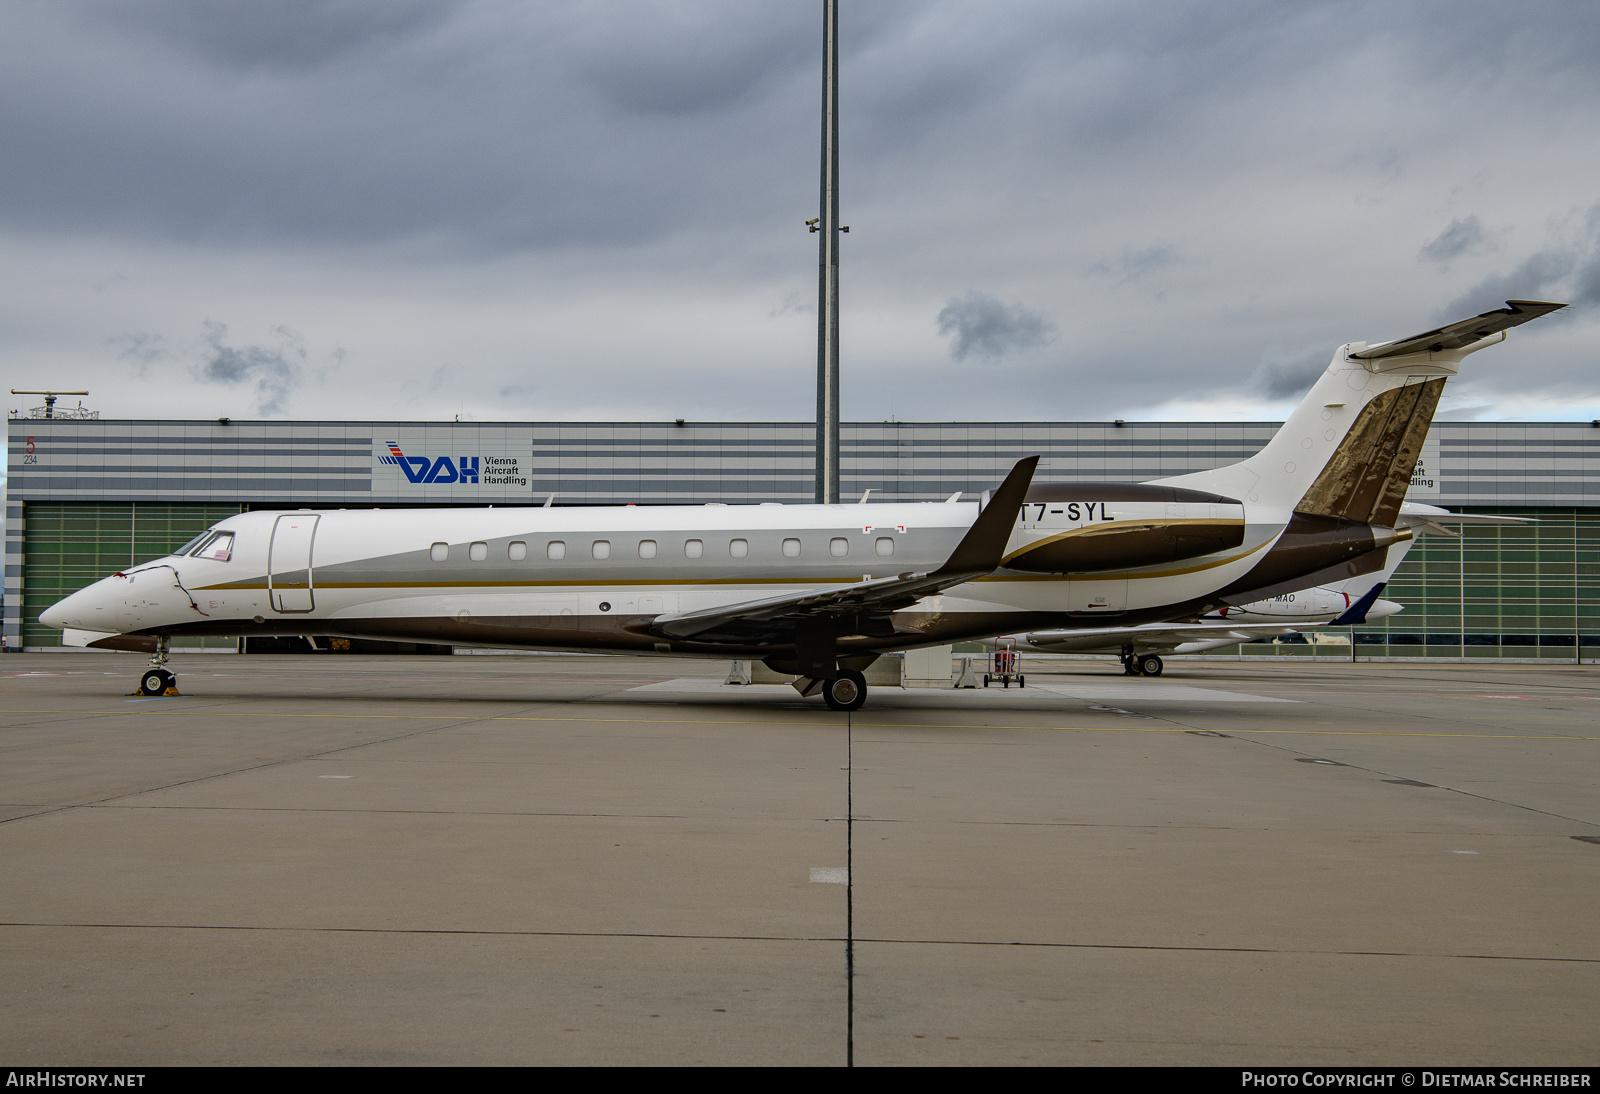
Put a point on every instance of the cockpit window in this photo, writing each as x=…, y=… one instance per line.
x=192, y=544
x=218, y=548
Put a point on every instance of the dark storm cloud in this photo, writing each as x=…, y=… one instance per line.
x=285, y=35
x=701, y=61
x=1285, y=374
x=608, y=182
x=502, y=125
x=979, y=325
x=141, y=349
x=1132, y=266
x=274, y=370
x=485, y=124
x=1464, y=235
x=1568, y=273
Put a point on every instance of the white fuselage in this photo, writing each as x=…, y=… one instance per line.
x=580, y=577
x=1308, y=607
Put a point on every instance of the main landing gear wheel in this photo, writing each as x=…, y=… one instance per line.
x=847, y=691
x=1150, y=665
x=157, y=682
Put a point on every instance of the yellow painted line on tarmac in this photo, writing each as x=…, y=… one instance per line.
x=791, y=722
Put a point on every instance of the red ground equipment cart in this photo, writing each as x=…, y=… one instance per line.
x=1003, y=664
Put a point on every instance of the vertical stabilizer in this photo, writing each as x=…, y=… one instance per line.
x=1366, y=477
x=1348, y=450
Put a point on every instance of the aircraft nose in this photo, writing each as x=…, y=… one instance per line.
x=58, y=615
x=76, y=610
x=1381, y=608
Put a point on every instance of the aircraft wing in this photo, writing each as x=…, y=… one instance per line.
x=1463, y=333
x=775, y=619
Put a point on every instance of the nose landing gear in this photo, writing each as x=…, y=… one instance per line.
x=157, y=680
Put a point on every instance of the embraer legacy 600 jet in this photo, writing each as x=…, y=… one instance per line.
x=820, y=591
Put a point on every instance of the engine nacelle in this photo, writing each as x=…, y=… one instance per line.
x=1080, y=528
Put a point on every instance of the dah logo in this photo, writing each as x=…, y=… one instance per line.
x=423, y=469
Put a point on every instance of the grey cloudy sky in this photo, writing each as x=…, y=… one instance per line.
x=519, y=210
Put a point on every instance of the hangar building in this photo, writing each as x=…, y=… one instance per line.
x=86, y=496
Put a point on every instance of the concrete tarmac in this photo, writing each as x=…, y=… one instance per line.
x=561, y=860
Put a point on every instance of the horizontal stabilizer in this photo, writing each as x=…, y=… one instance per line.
x=1478, y=518
x=1431, y=518
x=1464, y=333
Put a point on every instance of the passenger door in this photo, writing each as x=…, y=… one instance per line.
x=289, y=563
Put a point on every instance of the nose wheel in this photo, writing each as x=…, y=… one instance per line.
x=158, y=682
x=157, y=679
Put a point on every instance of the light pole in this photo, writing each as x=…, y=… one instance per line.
x=827, y=226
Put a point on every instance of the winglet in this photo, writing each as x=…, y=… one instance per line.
x=984, y=545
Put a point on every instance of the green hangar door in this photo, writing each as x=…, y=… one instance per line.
x=289, y=562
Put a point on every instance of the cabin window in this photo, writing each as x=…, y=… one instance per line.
x=439, y=552
x=738, y=548
x=219, y=548
x=647, y=548
x=556, y=549
x=693, y=548
x=838, y=546
x=478, y=552
x=602, y=548
x=517, y=551
x=791, y=548
x=884, y=546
